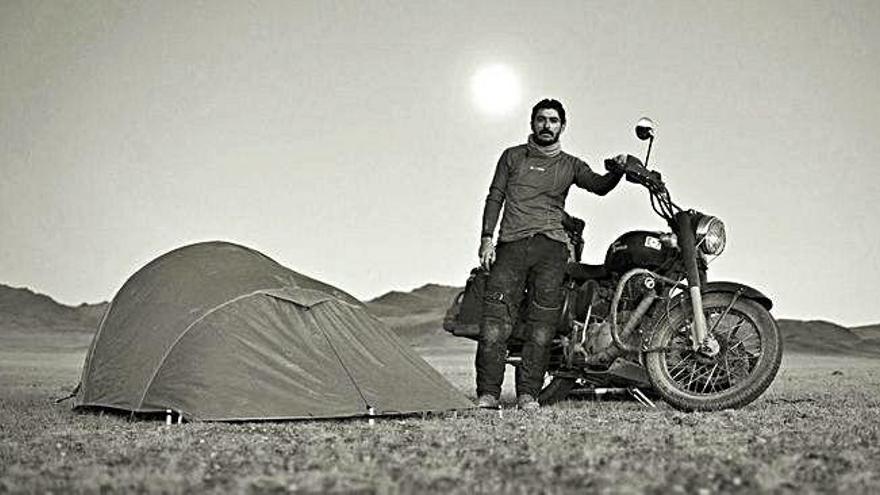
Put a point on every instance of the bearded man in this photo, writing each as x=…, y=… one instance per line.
x=531, y=182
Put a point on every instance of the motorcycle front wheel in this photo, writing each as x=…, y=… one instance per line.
x=749, y=355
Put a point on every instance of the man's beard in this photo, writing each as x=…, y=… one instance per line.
x=546, y=139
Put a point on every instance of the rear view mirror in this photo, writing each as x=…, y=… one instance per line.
x=645, y=128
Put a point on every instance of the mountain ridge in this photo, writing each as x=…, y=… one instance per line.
x=416, y=316
x=24, y=310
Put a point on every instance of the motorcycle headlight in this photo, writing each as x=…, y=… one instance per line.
x=711, y=236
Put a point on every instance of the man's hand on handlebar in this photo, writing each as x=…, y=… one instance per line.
x=486, y=253
x=616, y=165
x=635, y=171
x=648, y=178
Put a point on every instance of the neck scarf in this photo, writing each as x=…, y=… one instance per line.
x=548, y=151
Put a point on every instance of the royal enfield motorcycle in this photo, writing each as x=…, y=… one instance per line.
x=648, y=320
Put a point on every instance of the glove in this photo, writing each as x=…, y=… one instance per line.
x=616, y=165
x=486, y=253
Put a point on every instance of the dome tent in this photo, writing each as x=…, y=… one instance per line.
x=218, y=331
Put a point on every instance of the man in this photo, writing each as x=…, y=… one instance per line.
x=531, y=182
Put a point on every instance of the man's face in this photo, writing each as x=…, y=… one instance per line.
x=547, y=126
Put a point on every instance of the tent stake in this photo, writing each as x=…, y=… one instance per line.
x=371, y=412
x=167, y=417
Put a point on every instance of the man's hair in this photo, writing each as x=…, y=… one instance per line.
x=549, y=104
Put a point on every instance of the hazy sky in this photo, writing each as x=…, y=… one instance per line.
x=342, y=139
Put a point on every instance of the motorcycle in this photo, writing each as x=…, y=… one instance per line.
x=648, y=319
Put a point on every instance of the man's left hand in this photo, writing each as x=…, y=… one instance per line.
x=486, y=253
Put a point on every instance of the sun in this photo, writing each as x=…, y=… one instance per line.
x=495, y=89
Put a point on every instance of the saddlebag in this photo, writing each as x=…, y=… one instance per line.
x=464, y=315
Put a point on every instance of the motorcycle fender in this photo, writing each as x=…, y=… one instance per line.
x=715, y=287
x=744, y=290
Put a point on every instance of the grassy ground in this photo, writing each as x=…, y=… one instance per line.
x=816, y=430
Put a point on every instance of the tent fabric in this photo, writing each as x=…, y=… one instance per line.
x=218, y=331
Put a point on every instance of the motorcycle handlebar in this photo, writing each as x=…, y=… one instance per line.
x=648, y=178
x=636, y=173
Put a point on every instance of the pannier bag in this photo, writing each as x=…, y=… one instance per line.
x=464, y=315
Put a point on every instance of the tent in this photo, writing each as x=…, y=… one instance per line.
x=218, y=331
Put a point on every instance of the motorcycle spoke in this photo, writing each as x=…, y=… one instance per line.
x=735, y=328
x=733, y=347
x=739, y=373
x=740, y=349
x=750, y=339
x=696, y=380
x=752, y=334
x=743, y=365
x=746, y=358
x=686, y=379
x=705, y=373
x=680, y=372
x=736, y=356
x=678, y=366
x=694, y=370
x=727, y=369
x=709, y=378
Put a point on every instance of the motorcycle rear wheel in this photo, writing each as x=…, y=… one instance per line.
x=748, y=360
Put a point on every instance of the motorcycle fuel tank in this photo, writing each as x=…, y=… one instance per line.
x=637, y=249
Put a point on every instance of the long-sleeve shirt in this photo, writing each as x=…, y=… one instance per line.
x=532, y=189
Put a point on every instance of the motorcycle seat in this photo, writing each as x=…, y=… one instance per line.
x=581, y=272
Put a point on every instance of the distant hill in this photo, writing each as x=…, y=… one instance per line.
x=430, y=298
x=24, y=310
x=868, y=332
x=416, y=316
x=822, y=337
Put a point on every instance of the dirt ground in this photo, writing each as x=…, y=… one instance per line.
x=816, y=430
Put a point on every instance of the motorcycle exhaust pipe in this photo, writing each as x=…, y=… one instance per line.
x=612, y=352
x=631, y=324
x=641, y=309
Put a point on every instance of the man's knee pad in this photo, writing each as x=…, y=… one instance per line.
x=493, y=332
x=542, y=334
x=496, y=306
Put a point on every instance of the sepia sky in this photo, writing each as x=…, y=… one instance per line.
x=343, y=138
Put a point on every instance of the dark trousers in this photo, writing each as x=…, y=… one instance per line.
x=539, y=262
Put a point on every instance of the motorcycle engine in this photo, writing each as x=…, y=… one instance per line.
x=635, y=290
x=598, y=338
